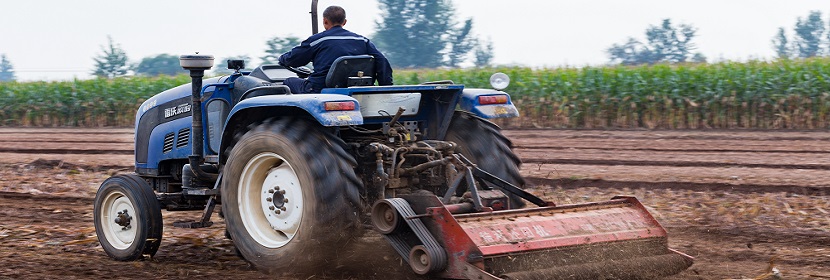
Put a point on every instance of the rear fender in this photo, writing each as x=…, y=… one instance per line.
x=260, y=108
x=470, y=103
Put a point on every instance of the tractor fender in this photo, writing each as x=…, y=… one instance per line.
x=470, y=103
x=313, y=104
x=260, y=108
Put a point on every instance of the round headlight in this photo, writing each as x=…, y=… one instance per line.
x=499, y=81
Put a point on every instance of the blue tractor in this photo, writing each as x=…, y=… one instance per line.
x=296, y=174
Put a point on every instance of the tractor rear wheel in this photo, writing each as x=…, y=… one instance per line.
x=289, y=196
x=482, y=143
x=127, y=218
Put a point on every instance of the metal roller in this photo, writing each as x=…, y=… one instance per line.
x=420, y=260
x=385, y=218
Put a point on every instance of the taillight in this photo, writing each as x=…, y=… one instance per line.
x=492, y=99
x=340, y=106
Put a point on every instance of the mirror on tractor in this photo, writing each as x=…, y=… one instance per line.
x=499, y=81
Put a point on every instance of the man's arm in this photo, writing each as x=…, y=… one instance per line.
x=383, y=71
x=298, y=56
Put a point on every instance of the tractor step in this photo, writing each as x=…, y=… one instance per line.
x=206, y=213
x=200, y=191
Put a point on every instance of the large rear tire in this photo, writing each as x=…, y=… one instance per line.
x=127, y=218
x=290, y=196
x=482, y=143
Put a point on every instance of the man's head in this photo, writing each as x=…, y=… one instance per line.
x=334, y=16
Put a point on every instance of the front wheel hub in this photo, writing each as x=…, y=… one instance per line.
x=119, y=209
x=123, y=219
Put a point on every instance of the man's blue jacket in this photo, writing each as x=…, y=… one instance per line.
x=324, y=47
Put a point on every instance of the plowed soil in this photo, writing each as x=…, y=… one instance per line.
x=740, y=202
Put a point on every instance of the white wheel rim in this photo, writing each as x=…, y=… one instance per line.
x=118, y=236
x=270, y=200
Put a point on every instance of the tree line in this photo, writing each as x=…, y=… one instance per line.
x=411, y=33
x=666, y=43
x=809, y=38
x=426, y=34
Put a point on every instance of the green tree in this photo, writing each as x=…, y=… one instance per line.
x=828, y=37
x=809, y=35
x=222, y=64
x=699, y=58
x=6, y=69
x=422, y=34
x=277, y=46
x=162, y=64
x=112, y=62
x=484, y=53
x=781, y=44
x=631, y=53
x=664, y=43
x=461, y=43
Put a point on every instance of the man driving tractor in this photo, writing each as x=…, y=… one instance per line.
x=324, y=47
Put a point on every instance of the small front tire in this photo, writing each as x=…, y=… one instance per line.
x=127, y=218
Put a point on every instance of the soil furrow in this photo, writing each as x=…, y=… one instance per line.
x=66, y=151
x=27, y=196
x=761, y=135
x=698, y=137
x=66, y=141
x=61, y=131
x=671, y=163
x=567, y=183
x=558, y=148
x=678, y=144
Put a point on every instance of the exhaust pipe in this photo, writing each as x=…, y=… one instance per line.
x=197, y=64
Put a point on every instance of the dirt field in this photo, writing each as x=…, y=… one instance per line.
x=732, y=199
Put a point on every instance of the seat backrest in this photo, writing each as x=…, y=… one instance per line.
x=347, y=71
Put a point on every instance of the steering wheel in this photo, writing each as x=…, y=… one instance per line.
x=302, y=71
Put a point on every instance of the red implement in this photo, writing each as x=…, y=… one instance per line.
x=615, y=239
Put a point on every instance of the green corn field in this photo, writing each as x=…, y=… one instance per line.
x=81, y=103
x=783, y=94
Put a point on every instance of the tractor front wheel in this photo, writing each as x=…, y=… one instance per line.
x=127, y=218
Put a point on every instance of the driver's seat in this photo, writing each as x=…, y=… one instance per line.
x=350, y=71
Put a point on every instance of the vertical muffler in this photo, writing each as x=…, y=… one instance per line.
x=197, y=64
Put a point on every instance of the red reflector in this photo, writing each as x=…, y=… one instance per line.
x=340, y=106
x=492, y=99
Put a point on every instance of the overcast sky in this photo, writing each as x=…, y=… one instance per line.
x=52, y=40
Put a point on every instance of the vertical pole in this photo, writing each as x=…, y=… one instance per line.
x=314, y=17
